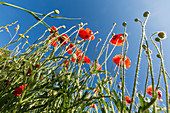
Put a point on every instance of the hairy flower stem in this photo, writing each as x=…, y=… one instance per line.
x=163, y=71
x=137, y=67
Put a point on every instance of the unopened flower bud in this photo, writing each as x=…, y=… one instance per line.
x=20, y=35
x=81, y=24
x=97, y=32
x=120, y=94
x=85, y=23
x=63, y=26
x=56, y=11
x=136, y=19
x=113, y=34
x=27, y=36
x=162, y=35
x=144, y=46
x=146, y=14
x=79, y=42
x=7, y=30
x=157, y=39
x=158, y=56
x=99, y=39
x=48, y=29
x=114, y=24
x=125, y=35
x=124, y=24
x=16, y=28
x=147, y=52
x=26, y=42
x=119, y=86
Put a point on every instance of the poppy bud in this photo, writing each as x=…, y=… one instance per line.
x=85, y=23
x=99, y=39
x=16, y=28
x=97, y=32
x=119, y=86
x=63, y=26
x=157, y=39
x=136, y=19
x=147, y=52
x=27, y=36
x=158, y=56
x=20, y=35
x=113, y=34
x=162, y=35
x=146, y=14
x=26, y=42
x=81, y=24
x=48, y=29
x=144, y=46
x=56, y=11
x=114, y=24
x=124, y=24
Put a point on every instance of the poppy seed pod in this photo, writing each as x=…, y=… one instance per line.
x=146, y=14
x=162, y=35
x=56, y=11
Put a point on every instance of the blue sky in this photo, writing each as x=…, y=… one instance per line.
x=100, y=16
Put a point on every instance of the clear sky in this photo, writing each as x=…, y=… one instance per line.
x=100, y=16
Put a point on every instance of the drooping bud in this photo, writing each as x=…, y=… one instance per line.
x=157, y=39
x=113, y=34
x=97, y=32
x=148, y=51
x=162, y=35
x=81, y=24
x=16, y=28
x=144, y=46
x=124, y=24
x=146, y=14
x=136, y=19
x=27, y=36
x=99, y=39
x=56, y=11
x=158, y=56
x=63, y=26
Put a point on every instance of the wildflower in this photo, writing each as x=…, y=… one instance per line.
x=19, y=90
x=53, y=42
x=68, y=49
x=149, y=91
x=117, y=40
x=53, y=29
x=41, y=78
x=34, y=67
x=96, y=90
x=66, y=62
x=93, y=106
x=64, y=39
x=128, y=100
x=79, y=56
x=86, y=34
x=98, y=67
x=117, y=59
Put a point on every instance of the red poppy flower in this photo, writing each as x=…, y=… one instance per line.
x=53, y=29
x=86, y=60
x=66, y=62
x=116, y=40
x=149, y=91
x=68, y=49
x=19, y=90
x=128, y=100
x=117, y=59
x=93, y=106
x=53, y=42
x=64, y=39
x=86, y=34
x=29, y=71
x=98, y=66
x=41, y=78
x=79, y=57
x=96, y=90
